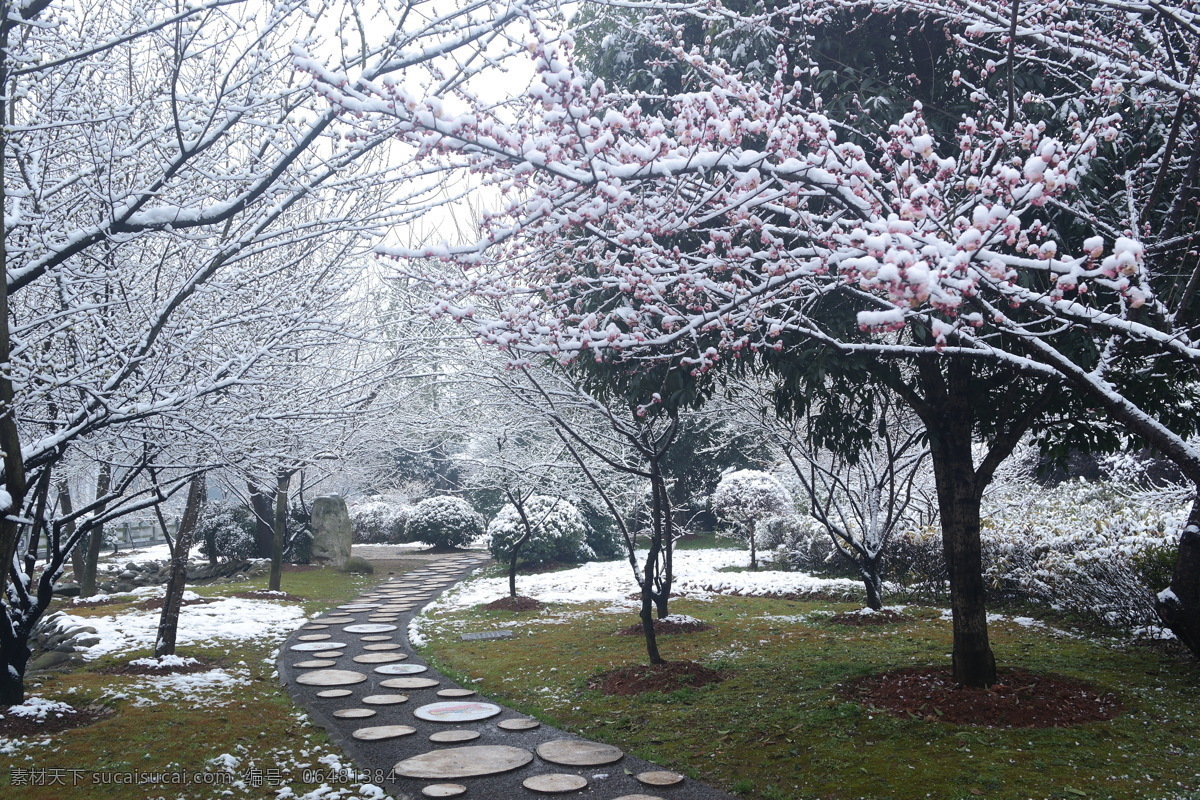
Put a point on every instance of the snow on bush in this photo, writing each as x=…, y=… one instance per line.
x=746, y=498
x=225, y=530
x=443, y=522
x=379, y=520
x=1079, y=546
x=559, y=532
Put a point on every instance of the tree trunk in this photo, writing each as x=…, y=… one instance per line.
x=282, y=479
x=958, y=501
x=1179, y=605
x=66, y=507
x=662, y=546
x=873, y=581
x=14, y=645
x=168, y=623
x=753, y=547
x=262, y=502
x=95, y=539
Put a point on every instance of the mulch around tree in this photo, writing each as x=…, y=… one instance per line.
x=666, y=626
x=155, y=603
x=126, y=668
x=668, y=677
x=266, y=594
x=518, y=603
x=104, y=601
x=1021, y=699
x=12, y=727
x=298, y=567
x=860, y=620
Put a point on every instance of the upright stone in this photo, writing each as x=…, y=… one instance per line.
x=332, y=530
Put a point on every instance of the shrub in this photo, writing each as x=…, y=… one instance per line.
x=358, y=565
x=559, y=532
x=443, y=522
x=225, y=531
x=379, y=520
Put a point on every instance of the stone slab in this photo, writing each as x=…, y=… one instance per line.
x=408, y=683
x=464, y=762
x=379, y=733
x=659, y=777
x=447, y=737
x=579, y=753
x=554, y=783
x=457, y=711
x=331, y=677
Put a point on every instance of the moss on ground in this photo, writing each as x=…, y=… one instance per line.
x=777, y=728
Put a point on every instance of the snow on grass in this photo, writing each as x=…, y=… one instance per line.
x=164, y=662
x=196, y=689
x=38, y=708
x=697, y=577
x=225, y=619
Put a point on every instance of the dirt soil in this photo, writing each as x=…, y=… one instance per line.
x=518, y=603
x=884, y=617
x=1020, y=700
x=125, y=668
x=666, y=626
x=668, y=677
x=263, y=594
x=157, y=602
x=12, y=727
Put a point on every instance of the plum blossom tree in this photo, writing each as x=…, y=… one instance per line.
x=746, y=497
x=1037, y=238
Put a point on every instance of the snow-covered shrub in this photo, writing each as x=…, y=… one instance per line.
x=297, y=549
x=746, y=498
x=379, y=520
x=559, y=532
x=443, y=522
x=916, y=564
x=225, y=531
x=1084, y=547
x=800, y=544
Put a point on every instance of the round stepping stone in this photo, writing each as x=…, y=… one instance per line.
x=379, y=637
x=526, y=724
x=639, y=797
x=382, y=620
x=400, y=669
x=369, y=628
x=315, y=663
x=554, y=783
x=579, y=753
x=337, y=619
x=305, y=646
x=464, y=762
x=455, y=693
x=355, y=713
x=314, y=637
x=379, y=658
x=445, y=737
x=457, y=711
x=315, y=626
x=331, y=677
x=329, y=654
x=384, y=699
x=408, y=683
x=443, y=790
x=381, y=647
x=359, y=606
x=659, y=777
x=381, y=732
x=330, y=694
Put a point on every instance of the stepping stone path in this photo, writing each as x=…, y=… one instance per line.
x=514, y=758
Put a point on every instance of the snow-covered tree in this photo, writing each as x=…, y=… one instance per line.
x=746, y=498
x=752, y=214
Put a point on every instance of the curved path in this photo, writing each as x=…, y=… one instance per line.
x=418, y=734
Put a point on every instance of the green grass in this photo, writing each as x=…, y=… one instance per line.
x=776, y=728
x=707, y=540
x=258, y=724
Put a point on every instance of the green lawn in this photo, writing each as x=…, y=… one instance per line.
x=776, y=728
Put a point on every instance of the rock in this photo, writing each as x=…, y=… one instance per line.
x=332, y=530
x=76, y=630
x=121, y=587
x=127, y=575
x=86, y=641
x=67, y=590
x=50, y=660
x=142, y=580
x=131, y=567
x=358, y=565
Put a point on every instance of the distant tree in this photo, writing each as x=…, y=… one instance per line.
x=746, y=498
